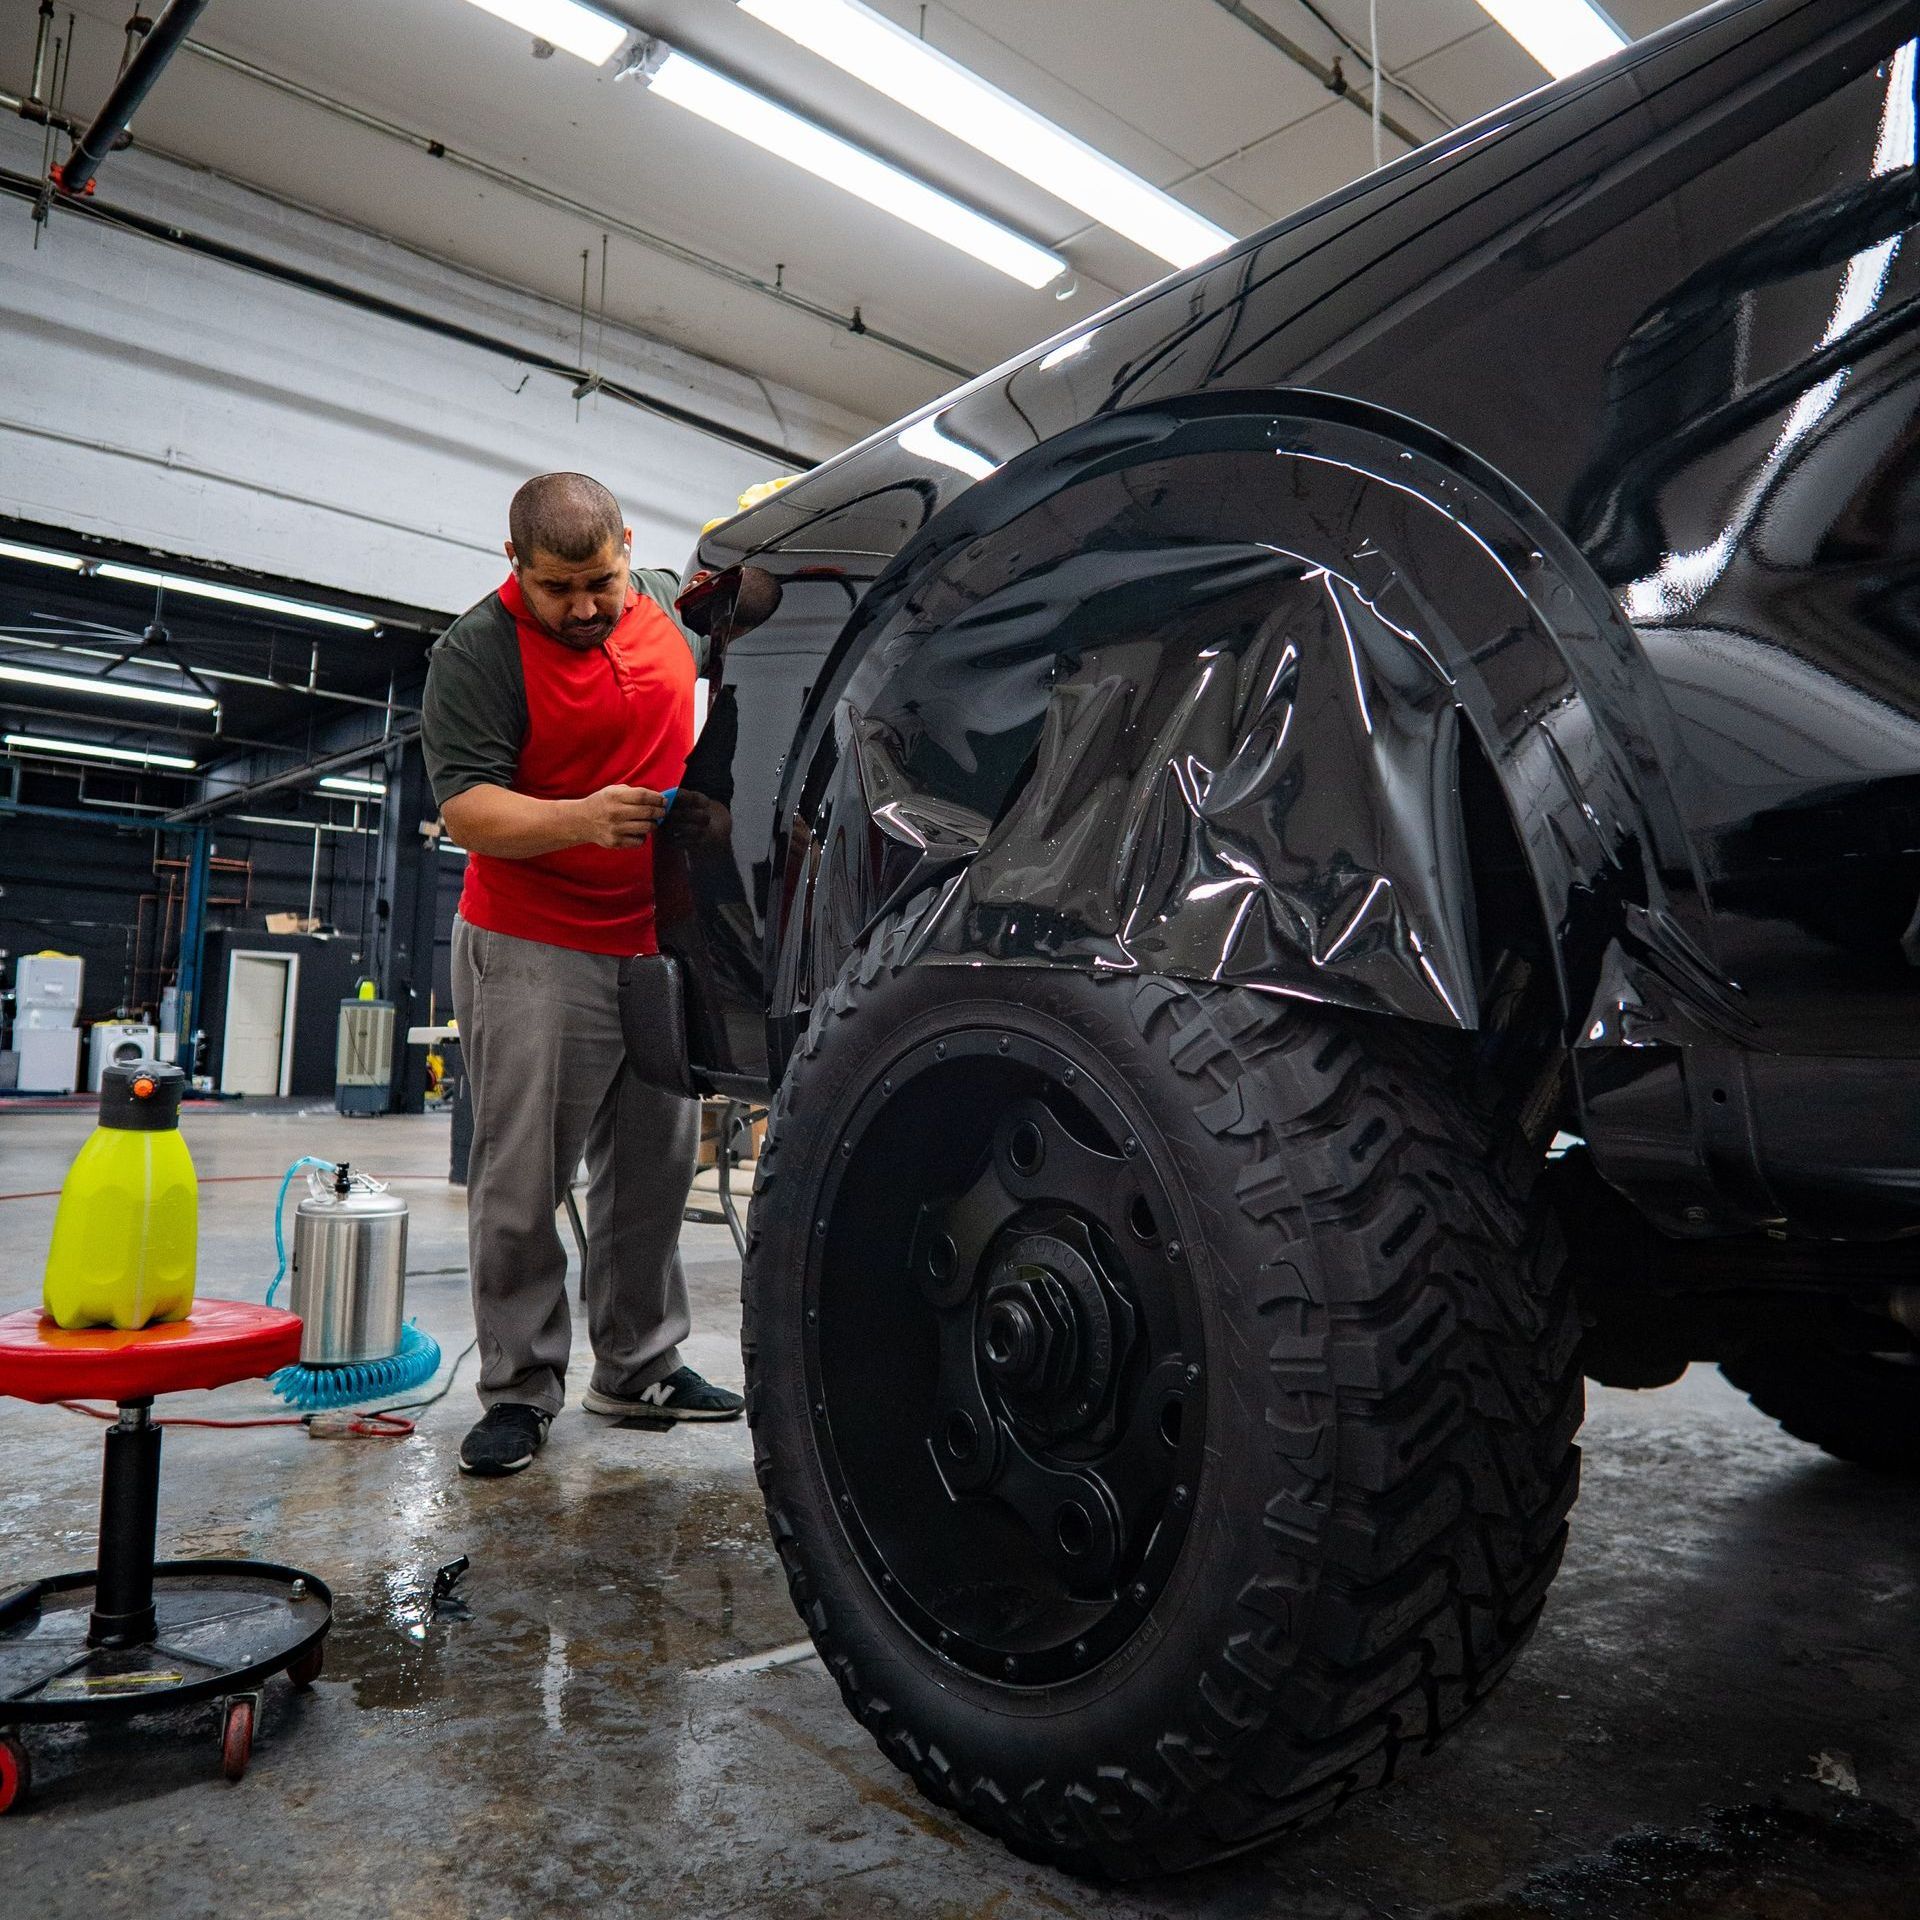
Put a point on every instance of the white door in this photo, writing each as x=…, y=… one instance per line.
x=258, y=1054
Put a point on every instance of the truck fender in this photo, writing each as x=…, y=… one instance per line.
x=1185, y=691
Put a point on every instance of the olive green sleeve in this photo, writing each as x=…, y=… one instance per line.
x=474, y=717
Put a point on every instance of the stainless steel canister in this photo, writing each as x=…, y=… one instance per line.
x=349, y=1272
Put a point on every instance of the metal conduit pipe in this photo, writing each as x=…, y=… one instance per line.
x=24, y=188
x=123, y=101
x=35, y=106
x=851, y=323
x=37, y=110
x=578, y=209
x=1329, y=77
x=1399, y=85
x=328, y=763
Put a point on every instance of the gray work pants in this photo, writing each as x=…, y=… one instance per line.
x=547, y=1073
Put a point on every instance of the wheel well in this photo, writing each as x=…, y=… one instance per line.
x=1520, y=1026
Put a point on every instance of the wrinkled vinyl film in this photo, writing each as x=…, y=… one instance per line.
x=1188, y=698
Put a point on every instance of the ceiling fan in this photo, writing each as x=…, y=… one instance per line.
x=152, y=644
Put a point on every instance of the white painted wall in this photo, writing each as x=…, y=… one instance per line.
x=149, y=395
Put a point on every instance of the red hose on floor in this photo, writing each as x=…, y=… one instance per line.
x=371, y=1426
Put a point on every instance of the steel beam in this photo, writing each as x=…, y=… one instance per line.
x=230, y=797
x=406, y=914
x=193, y=934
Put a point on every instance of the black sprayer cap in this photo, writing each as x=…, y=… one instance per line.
x=141, y=1096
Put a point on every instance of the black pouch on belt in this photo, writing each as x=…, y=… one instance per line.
x=653, y=1021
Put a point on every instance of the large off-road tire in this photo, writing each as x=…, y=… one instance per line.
x=1832, y=1390
x=1338, y=1403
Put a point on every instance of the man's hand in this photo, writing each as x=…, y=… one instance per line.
x=696, y=822
x=619, y=816
x=515, y=826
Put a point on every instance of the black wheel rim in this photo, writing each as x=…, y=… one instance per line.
x=1004, y=1355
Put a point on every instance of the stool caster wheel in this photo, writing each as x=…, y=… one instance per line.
x=306, y=1670
x=236, y=1738
x=16, y=1773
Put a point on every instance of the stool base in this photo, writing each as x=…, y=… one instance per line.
x=221, y=1628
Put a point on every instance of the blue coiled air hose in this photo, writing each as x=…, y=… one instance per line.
x=318, y=1388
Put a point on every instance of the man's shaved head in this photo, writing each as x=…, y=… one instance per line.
x=570, y=556
x=565, y=515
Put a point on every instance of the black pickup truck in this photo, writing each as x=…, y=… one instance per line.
x=1303, y=865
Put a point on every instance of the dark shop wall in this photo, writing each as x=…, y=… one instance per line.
x=75, y=889
x=79, y=889
x=453, y=874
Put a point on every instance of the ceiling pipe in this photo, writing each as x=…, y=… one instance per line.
x=1397, y=82
x=42, y=115
x=231, y=797
x=35, y=106
x=76, y=172
x=578, y=209
x=582, y=378
x=775, y=290
x=1331, y=77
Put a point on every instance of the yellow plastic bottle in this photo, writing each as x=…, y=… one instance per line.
x=127, y=1230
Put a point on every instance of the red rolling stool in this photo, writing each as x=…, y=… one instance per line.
x=131, y=1636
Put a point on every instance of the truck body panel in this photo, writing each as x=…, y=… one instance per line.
x=1583, y=441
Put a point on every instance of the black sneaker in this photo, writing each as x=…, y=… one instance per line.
x=507, y=1438
x=682, y=1395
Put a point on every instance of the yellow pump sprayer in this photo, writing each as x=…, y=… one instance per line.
x=127, y=1230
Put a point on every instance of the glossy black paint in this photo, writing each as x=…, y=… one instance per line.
x=1582, y=447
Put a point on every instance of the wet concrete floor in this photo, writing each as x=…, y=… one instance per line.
x=1717, y=1717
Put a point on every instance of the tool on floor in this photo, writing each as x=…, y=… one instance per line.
x=127, y=1229
x=443, y=1602
x=349, y=1285
x=128, y=1635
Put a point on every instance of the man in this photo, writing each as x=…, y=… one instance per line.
x=558, y=712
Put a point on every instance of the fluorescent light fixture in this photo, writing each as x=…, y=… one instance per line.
x=925, y=81
x=113, y=689
x=234, y=596
x=40, y=556
x=38, y=743
x=582, y=31
x=825, y=155
x=1066, y=351
x=925, y=438
x=1563, y=35
x=296, y=826
x=359, y=789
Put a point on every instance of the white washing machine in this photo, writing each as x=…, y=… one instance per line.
x=115, y=1042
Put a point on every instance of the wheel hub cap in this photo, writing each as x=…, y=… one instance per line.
x=1058, y=1328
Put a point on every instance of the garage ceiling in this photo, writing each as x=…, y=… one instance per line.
x=1191, y=94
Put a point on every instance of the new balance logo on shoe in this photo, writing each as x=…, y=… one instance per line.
x=682, y=1395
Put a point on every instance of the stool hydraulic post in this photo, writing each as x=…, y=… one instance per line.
x=130, y=1634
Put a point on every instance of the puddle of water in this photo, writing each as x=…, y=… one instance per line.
x=632, y=1584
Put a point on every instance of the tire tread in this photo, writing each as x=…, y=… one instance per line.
x=1420, y=1422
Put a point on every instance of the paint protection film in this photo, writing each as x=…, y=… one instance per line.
x=1190, y=699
